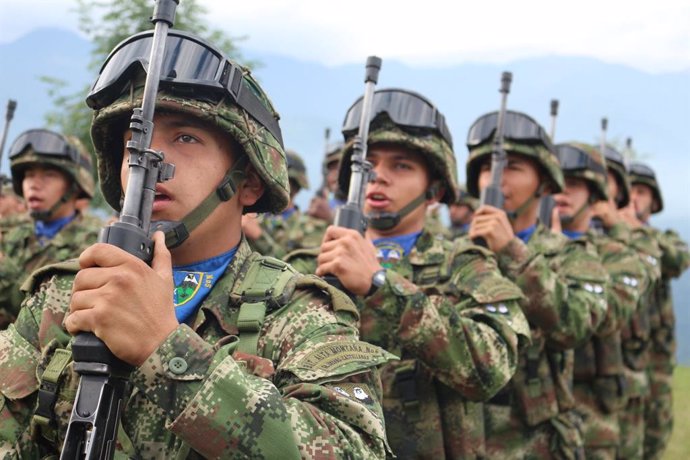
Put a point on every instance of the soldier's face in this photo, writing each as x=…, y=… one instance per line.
x=612, y=186
x=43, y=188
x=201, y=154
x=520, y=180
x=332, y=175
x=460, y=214
x=401, y=176
x=574, y=197
x=642, y=199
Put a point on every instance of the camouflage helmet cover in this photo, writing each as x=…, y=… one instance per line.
x=297, y=171
x=641, y=173
x=540, y=151
x=265, y=152
x=464, y=198
x=617, y=166
x=434, y=149
x=78, y=169
x=585, y=162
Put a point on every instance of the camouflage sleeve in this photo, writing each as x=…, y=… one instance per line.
x=675, y=257
x=627, y=281
x=266, y=245
x=317, y=397
x=468, y=337
x=11, y=276
x=565, y=291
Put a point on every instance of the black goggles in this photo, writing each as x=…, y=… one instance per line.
x=516, y=127
x=405, y=108
x=641, y=169
x=575, y=159
x=47, y=143
x=190, y=66
x=613, y=156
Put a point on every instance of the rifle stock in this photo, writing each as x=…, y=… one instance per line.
x=92, y=428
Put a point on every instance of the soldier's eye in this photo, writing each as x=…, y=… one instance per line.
x=187, y=139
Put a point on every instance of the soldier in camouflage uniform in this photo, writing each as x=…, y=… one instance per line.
x=461, y=212
x=256, y=360
x=443, y=308
x=278, y=234
x=599, y=371
x=564, y=285
x=674, y=259
x=12, y=208
x=325, y=202
x=51, y=172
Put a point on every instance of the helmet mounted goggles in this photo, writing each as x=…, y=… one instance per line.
x=190, y=65
x=49, y=144
x=517, y=127
x=574, y=159
x=404, y=108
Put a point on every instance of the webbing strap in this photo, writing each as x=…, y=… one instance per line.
x=44, y=416
x=406, y=386
x=249, y=322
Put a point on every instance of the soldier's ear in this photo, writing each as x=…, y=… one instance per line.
x=251, y=188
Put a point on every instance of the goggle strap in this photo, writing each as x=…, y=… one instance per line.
x=395, y=217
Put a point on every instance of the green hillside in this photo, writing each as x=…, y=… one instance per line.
x=679, y=447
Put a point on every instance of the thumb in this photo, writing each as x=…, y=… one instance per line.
x=162, y=261
x=556, y=221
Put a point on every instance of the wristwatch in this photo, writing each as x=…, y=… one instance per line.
x=377, y=280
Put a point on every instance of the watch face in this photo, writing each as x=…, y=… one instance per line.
x=379, y=278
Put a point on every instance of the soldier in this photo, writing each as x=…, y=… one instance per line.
x=461, y=213
x=674, y=259
x=443, y=308
x=278, y=234
x=256, y=361
x=599, y=371
x=51, y=172
x=563, y=282
x=324, y=203
x=10, y=203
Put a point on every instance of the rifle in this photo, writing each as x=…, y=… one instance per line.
x=350, y=215
x=103, y=383
x=547, y=203
x=597, y=224
x=9, y=115
x=492, y=194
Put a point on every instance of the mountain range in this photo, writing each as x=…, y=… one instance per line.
x=653, y=109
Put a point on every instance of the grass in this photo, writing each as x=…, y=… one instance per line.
x=679, y=446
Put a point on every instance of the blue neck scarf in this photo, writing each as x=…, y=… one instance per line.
x=572, y=235
x=47, y=230
x=392, y=249
x=288, y=212
x=334, y=203
x=193, y=282
x=526, y=234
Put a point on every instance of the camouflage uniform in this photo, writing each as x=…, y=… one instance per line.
x=446, y=311
x=464, y=198
x=25, y=252
x=269, y=366
x=455, y=321
x=599, y=379
x=565, y=289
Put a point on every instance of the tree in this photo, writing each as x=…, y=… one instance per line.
x=107, y=23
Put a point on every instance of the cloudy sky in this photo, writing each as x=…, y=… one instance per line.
x=653, y=35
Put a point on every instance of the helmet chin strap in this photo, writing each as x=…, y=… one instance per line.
x=641, y=215
x=388, y=220
x=45, y=215
x=512, y=215
x=567, y=220
x=176, y=232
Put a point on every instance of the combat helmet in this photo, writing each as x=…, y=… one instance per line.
x=522, y=135
x=464, y=198
x=640, y=173
x=197, y=80
x=297, y=171
x=616, y=164
x=49, y=149
x=585, y=162
x=408, y=119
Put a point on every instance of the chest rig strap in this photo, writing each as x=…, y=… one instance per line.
x=44, y=416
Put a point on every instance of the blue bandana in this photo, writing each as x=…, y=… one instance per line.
x=526, y=234
x=572, y=235
x=47, y=230
x=288, y=212
x=193, y=282
x=391, y=250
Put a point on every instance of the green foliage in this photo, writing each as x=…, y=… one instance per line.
x=107, y=23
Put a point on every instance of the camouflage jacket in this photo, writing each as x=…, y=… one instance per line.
x=281, y=236
x=565, y=289
x=310, y=391
x=456, y=323
x=23, y=253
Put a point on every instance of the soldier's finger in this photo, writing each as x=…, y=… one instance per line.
x=79, y=321
x=162, y=260
x=103, y=255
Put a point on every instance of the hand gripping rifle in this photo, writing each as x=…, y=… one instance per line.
x=9, y=115
x=492, y=194
x=103, y=384
x=547, y=202
x=350, y=215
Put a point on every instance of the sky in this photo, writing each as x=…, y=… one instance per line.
x=653, y=36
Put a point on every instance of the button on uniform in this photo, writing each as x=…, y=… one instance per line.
x=177, y=365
